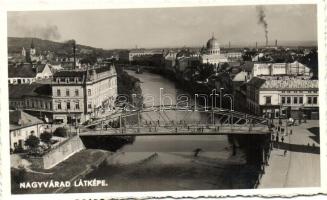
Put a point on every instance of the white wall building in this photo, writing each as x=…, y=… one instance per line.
x=211, y=54
x=289, y=97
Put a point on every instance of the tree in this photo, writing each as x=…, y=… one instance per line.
x=46, y=137
x=60, y=132
x=32, y=142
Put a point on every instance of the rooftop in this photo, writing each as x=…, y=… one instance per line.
x=19, y=119
x=34, y=89
x=284, y=84
x=290, y=84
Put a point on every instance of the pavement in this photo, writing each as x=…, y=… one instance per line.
x=300, y=167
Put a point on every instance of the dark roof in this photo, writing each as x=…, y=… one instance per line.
x=34, y=89
x=25, y=70
x=19, y=119
x=256, y=82
x=102, y=68
x=69, y=73
x=248, y=66
x=40, y=67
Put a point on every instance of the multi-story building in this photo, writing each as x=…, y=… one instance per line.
x=72, y=96
x=279, y=69
x=130, y=55
x=288, y=97
x=79, y=94
x=170, y=61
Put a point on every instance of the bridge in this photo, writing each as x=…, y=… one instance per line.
x=173, y=120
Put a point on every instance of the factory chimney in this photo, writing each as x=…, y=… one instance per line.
x=276, y=43
x=229, y=44
x=266, y=41
x=256, y=45
x=74, y=52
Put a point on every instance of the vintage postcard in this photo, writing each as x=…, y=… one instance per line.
x=166, y=100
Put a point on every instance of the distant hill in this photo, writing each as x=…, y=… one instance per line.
x=15, y=45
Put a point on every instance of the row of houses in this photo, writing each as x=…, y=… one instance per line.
x=276, y=90
x=69, y=96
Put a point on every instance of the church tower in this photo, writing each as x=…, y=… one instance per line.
x=32, y=50
x=23, y=52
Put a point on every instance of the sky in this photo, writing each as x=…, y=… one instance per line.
x=168, y=27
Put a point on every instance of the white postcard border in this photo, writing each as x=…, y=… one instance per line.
x=11, y=5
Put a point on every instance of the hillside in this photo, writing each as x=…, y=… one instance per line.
x=16, y=44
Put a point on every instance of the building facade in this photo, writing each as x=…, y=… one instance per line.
x=280, y=69
x=289, y=97
x=81, y=94
x=22, y=126
x=211, y=54
x=73, y=96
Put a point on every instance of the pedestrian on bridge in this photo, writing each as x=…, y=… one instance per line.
x=282, y=139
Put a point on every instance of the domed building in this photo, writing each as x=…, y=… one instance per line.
x=211, y=54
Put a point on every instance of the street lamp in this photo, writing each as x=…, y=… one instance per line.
x=221, y=97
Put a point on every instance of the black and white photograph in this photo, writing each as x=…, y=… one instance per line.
x=194, y=98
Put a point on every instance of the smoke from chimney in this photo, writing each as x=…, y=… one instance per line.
x=19, y=26
x=262, y=21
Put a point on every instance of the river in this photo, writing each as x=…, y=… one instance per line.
x=157, y=163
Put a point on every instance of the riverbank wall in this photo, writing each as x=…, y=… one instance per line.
x=60, y=153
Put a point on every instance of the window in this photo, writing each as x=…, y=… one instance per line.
x=295, y=100
x=71, y=79
x=58, y=93
x=76, y=92
x=59, y=106
x=67, y=92
x=300, y=100
x=283, y=100
x=309, y=100
x=89, y=106
x=62, y=80
x=89, y=92
x=68, y=105
x=268, y=100
x=77, y=105
x=288, y=100
x=315, y=100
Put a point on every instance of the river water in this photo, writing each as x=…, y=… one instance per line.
x=158, y=163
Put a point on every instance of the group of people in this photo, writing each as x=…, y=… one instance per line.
x=279, y=135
